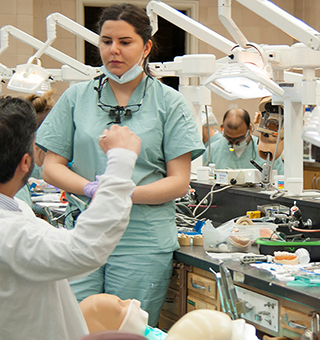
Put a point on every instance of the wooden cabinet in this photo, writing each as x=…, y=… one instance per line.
x=293, y=317
x=175, y=303
x=193, y=288
x=311, y=177
x=202, y=290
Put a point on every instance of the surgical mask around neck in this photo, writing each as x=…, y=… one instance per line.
x=135, y=320
x=128, y=76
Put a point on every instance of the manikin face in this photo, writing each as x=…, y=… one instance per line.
x=108, y=312
x=121, y=47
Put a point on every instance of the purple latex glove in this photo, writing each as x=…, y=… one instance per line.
x=91, y=187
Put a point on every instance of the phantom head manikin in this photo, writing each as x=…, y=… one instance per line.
x=108, y=312
x=269, y=118
x=207, y=324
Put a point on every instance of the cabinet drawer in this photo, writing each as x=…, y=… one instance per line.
x=195, y=303
x=172, y=303
x=289, y=317
x=175, y=279
x=202, y=285
x=165, y=323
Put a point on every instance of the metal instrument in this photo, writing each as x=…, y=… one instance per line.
x=230, y=302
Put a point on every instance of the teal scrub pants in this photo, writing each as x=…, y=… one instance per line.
x=142, y=277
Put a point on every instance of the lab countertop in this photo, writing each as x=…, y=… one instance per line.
x=260, y=279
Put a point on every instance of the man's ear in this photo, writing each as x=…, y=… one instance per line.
x=251, y=127
x=25, y=162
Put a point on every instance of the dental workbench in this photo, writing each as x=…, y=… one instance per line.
x=274, y=308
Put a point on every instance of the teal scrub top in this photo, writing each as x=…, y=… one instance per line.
x=36, y=172
x=213, y=139
x=223, y=158
x=24, y=194
x=167, y=130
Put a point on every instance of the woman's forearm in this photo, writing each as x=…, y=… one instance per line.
x=161, y=191
x=175, y=185
x=58, y=174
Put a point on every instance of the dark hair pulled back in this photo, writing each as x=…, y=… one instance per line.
x=134, y=16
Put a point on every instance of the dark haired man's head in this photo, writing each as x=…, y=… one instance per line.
x=17, y=132
x=236, y=124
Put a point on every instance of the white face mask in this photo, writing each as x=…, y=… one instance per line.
x=239, y=146
x=135, y=320
x=131, y=74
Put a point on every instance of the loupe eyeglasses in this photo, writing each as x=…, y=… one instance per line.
x=118, y=112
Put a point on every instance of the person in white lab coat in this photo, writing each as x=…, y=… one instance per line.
x=36, y=259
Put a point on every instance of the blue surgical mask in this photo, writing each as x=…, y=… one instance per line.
x=131, y=74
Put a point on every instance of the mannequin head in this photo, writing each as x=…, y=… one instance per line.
x=207, y=324
x=108, y=312
x=268, y=122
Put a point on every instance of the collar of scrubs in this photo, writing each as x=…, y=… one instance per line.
x=8, y=203
x=118, y=112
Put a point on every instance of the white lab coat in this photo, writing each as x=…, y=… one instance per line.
x=36, y=302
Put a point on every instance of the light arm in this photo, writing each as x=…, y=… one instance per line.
x=58, y=19
x=224, y=14
x=71, y=26
x=63, y=58
x=284, y=21
x=189, y=25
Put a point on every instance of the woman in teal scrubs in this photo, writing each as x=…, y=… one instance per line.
x=126, y=94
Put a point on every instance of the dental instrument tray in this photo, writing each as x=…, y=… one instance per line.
x=268, y=247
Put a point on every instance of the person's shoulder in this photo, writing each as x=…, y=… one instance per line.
x=82, y=87
x=160, y=86
x=23, y=205
x=255, y=139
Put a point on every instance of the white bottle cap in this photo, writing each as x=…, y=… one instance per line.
x=303, y=254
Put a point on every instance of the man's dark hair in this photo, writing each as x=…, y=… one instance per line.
x=245, y=117
x=17, y=130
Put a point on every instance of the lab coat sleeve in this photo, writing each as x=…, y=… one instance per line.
x=37, y=251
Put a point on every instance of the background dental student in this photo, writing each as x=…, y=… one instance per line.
x=36, y=259
x=238, y=146
x=42, y=104
x=126, y=94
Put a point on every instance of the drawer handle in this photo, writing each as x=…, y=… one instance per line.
x=169, y=301
x=293, y=324
x=312, y=182
x=196, y=286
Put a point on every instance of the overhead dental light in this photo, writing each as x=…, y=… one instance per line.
x=245, y=76
x=28, y=78
x=311, y=132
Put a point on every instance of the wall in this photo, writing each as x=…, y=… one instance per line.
x=18, y=13
x=29, y=15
